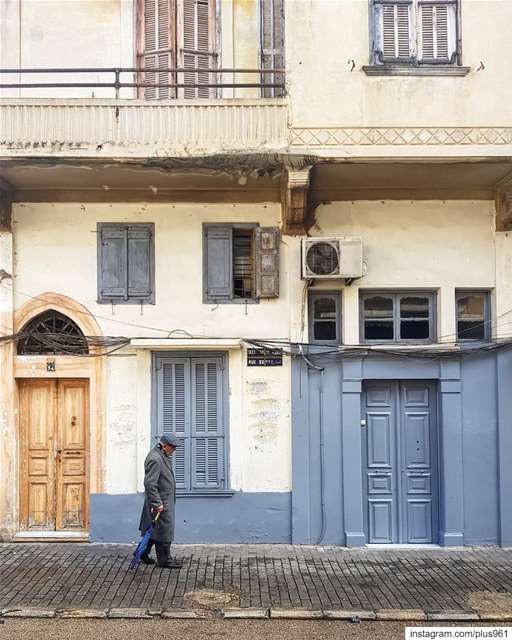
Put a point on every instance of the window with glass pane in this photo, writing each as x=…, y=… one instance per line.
x=324, y=318
x=397, y=317
x=414, y=318
x=378, y=318
x=472, y=315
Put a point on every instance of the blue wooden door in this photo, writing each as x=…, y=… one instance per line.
x=399, y=462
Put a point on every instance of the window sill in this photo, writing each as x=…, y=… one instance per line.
x=411, y=70
x=234, y=301
x=222, y=493
x=132, y=301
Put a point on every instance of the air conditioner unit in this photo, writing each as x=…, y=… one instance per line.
x=328, y=258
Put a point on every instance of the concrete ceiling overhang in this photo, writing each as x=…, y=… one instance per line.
x=250, y=178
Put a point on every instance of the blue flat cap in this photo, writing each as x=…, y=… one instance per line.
x=170, y=439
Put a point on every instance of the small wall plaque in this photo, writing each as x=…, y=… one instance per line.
x=264, y=358
x=50, y=365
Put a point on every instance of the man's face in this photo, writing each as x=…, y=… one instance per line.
x=168, y=449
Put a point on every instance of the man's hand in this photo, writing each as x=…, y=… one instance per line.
x=158, y=509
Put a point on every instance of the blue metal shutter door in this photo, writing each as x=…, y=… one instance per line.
x=207, y=425
x=174, y=400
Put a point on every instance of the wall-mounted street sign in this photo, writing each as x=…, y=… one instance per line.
x=264, y=358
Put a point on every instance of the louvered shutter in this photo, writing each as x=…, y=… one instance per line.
x=174, y=413
x=112, y=264
x=207, y=425
x=393, y=31
x=267, y=262
x=272, y=44
x=197, y=42
x=437, y=32
x=157, y=47
x=140, y=262
x=218, y=262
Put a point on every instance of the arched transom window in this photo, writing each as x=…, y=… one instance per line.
x=52, y=333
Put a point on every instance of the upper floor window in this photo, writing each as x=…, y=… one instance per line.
x=126, y=258
x=398, y=317
x=415, y=32
x=176, y=34
x=473, y=315
x=324, y=317
x=241, y=263
x=272, y=46
x=178, y=46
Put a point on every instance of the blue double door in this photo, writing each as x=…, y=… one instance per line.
x=400, y=469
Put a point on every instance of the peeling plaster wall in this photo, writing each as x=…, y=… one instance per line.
x=121, y=424
x=437, y=245
x=101, y=33
x=56, y=246
x=337, y=33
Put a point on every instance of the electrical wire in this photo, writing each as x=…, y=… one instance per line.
x=311, y=353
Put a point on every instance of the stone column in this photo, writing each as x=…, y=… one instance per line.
x=352, y=454
x=452, y=496
x=8, y=441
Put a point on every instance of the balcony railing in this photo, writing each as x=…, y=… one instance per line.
x=149, y=83
x=58, y=123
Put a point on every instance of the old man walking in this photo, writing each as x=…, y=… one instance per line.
x=160, y=489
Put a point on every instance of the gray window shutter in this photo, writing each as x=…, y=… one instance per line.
x=267, y=262
x=218, y=262
x=207, y=425
x=437, y=32
x=140, y=262
x=174, y=400
x=112, y=263
x=393, y=29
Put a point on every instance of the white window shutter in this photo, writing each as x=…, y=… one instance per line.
x=272, y=44
x=197, y=45
x=394, y=31
x=437, y=32
x=157, y=42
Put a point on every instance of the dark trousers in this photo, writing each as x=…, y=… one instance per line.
x=163, y=550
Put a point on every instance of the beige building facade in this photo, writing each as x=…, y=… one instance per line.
x=155, y=268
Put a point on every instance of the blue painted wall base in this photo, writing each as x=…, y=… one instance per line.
x=240, y=518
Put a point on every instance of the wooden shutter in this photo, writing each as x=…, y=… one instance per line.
x=437, y=32
x=112, y=263
x=156, y=46
x=207, y=424
x=218, y=260
x=272, y=44
x=394, y=30
x=267, y=241
x=174, y=413
x=197, y=45
x=140, y=262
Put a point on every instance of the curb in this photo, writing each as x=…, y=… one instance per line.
x=246, y=614
x=353, y=615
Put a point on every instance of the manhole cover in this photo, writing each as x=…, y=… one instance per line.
x=211, y=599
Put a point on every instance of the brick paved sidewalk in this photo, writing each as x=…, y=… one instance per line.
x=289, y=581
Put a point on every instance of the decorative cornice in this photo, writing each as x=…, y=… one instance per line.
x=398, y=136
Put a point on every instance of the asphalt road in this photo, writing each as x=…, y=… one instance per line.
x=199, y=630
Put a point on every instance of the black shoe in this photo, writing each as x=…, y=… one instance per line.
x=172, y=564
x=145, y=559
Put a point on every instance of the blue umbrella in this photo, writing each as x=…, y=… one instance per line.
x=143, y=544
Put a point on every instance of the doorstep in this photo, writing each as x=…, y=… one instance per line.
x=51, y=536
